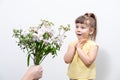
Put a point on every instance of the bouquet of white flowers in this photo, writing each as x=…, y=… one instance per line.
x=40, y=41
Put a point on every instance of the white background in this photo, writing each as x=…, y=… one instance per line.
x=25, y=13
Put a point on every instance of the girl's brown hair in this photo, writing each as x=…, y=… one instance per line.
x=89, y=19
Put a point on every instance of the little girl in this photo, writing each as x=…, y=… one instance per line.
x=81, y=54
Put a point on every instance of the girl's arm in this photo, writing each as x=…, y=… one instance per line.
x=68, y=57
x=89, y=58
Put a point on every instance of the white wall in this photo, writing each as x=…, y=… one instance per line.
x=24, y=13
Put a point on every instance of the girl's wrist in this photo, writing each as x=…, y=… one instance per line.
x=78, y=49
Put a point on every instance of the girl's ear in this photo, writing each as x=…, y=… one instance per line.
x=91, y=31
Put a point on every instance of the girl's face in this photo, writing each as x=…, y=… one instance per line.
x=82, y=31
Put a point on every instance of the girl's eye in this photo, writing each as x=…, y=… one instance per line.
x=82, y=27
x=77, y=27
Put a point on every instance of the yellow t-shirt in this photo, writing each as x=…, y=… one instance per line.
x=77, y=69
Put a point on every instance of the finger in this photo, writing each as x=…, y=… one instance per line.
x=83, y=41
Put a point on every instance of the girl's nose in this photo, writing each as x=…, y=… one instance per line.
x=78, y=29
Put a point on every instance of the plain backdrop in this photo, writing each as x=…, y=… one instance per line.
x=24, y=13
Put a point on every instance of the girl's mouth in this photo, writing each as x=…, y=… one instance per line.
x=79, y=34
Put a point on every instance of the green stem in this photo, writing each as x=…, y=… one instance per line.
x=42, y=59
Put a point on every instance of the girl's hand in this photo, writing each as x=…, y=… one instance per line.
x=80, y=43
x=68, y=57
